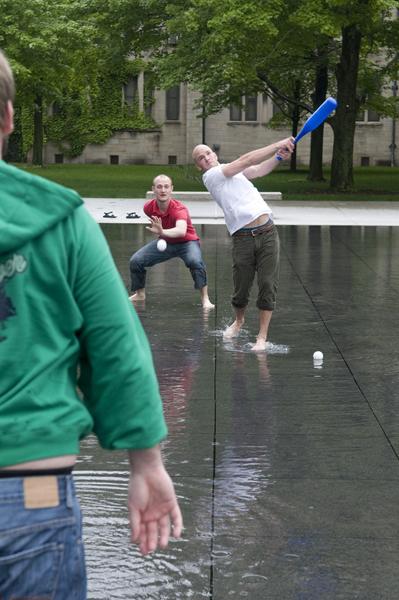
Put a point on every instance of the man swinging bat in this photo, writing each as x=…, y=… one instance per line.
x=248, y=219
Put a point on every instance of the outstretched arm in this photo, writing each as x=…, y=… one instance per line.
x=265, y=167
x=255, y=157
x=179, y=230
x=153, y=508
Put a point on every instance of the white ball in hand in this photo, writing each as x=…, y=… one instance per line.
x=161, y=245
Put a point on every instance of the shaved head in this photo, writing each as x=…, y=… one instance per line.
x=204, y=157
x=198, y=150
x=161, y=178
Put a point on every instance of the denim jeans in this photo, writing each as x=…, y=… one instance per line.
x=41, y=549
x=149, y=255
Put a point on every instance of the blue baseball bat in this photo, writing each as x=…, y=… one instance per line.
x=317, y=118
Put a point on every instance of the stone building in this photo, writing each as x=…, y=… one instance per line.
x=230, y=133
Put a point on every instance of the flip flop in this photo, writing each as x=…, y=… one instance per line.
x=109, y=215
x=132, y=215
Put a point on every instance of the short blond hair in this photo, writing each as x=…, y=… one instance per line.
x=162, y=176
x=7, y=86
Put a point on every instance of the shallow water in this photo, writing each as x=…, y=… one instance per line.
x=287, y=471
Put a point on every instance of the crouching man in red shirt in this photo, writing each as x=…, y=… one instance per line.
x=169, y=221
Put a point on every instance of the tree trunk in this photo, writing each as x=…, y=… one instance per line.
x=37, y=157
x=13, y=147
x=316, y=139
x=295, y=121
x=345, y=115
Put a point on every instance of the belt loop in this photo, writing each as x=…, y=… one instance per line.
x=69, y=490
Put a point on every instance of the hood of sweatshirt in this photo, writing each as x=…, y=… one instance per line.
x=29, y=206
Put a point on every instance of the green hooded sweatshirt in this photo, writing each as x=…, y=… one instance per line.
x=66, y=322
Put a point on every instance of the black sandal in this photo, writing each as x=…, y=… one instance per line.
x=132, y=215
x=109, y=215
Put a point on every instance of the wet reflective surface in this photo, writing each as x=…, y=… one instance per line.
x=287, y=471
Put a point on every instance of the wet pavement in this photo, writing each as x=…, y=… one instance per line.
x=287, y=471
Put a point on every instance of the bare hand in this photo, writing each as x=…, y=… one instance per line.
x=155, y=226
x=153, y=509
x=286, y=146
x=284, y=153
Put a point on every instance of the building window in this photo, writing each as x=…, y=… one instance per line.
x=372, y=116
x=172, y=159
x=130, y=90
x=364, y=161
x=251, y=108
x=368, y=116
x=235, y=112
x=276, y=109
x=58, y=159
x=250, y=112
x=173, y=103
x=114, y=159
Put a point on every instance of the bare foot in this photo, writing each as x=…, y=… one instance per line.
x=232, y=331
x=137, y=297
x=207, y=304
x=260, y=345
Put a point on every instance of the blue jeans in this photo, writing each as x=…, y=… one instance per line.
x=149, y=255
x=41, y=549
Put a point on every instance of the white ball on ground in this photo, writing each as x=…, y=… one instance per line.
x=161, y=245
x=317, y=355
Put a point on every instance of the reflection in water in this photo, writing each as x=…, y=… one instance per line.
x=116, y=570
x=244, y=462
x=177, y=370
x=245, y=509
x=239, y=468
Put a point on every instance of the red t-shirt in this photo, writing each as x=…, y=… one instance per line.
x=176, y=211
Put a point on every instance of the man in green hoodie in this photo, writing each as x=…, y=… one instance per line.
x=63, y=311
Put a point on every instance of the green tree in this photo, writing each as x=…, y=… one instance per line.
x=49, y=47
x=227, y=48
x=365, y=30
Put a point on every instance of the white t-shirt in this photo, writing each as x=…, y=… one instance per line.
x=237, y=197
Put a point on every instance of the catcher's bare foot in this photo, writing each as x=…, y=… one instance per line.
x=138, y=296
x=207, y=304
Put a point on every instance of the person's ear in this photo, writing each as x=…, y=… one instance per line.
x=8, y=126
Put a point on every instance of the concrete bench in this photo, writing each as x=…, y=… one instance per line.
x=201, y=205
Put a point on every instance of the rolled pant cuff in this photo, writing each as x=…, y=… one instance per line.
x=268, y=307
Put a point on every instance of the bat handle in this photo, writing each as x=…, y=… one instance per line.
x=280, y=157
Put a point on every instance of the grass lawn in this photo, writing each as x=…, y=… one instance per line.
x=132, y=181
